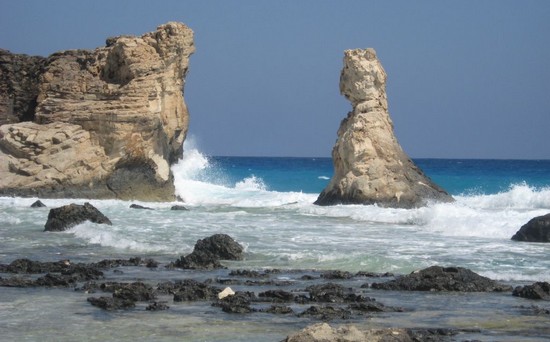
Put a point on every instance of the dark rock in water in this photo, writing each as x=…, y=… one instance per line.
x=538, y=290
x=536, y=230
x=248, y=274
x=278, y=296
x=237, y=303
x=326, y=313
x=137, y=206
x=209, y=251
x=157, y=306
x=179, y=207
x=192, y=290
x=326, y=293
x=68, y=216
x=59, y=274
x=111, y=304
x=438, y=278
x=371, y=305
x=16, y=282
x=110, y=263
x=136, y=291
x=55, y=280
x=336, y=275
x=27, y=266
x=279, y=310
x=38, y=204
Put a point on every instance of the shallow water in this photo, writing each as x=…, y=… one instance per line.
x=263, y=205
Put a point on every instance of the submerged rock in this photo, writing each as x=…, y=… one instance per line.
x=209, y=251
x=38, y=204
x=179, y=207
x=137, y=206
x=536, y=230
x=111, y=304
x=68, y=216
x=103, y=123
x=237, y=303
x=370, y=167
x=437, y=278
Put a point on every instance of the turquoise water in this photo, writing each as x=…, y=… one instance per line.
x=266, y=204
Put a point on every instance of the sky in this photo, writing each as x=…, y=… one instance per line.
x=466, y=79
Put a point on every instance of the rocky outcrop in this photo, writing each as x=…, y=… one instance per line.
x=536, y=230
x=208, y=253
x=19, y=79
x=68, y=216
x=538, y=290
x=370, y=166
x=437, y=278
x=107, y=123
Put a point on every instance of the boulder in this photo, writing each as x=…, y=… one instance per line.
x=370, y=167
x=68, y=216
x=437, y=278
x=209, y=251
x=536, y=230
x=538, y=290
x=106, y=123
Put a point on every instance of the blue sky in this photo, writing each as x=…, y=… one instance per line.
x=466, y=79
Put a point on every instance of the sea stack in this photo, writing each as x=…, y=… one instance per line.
x=370, y=167
x=105, y=123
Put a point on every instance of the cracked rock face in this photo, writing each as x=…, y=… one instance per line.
x=107, y=123
x=370, y=166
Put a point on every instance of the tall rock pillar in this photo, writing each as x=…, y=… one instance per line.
x=370, y=166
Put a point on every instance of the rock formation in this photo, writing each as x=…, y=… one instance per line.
x=106, y=123
x=370, y=166
x=68, y=216
x=536, y=230
x=437, y=278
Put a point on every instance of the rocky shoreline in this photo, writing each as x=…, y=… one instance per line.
x=313, y=296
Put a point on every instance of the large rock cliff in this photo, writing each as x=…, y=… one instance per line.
x=370, y=166
x=106, y=123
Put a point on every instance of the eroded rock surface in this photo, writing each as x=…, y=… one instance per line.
x=370, y=167
x=107, y=123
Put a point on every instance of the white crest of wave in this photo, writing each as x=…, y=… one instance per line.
x=518, y=196
x=199, y=182
x=497, y=216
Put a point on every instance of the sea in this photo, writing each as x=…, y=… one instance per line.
x=266, y=204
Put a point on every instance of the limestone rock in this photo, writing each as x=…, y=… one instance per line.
x=536, y=230
x=370, y=167
x=108, y=123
